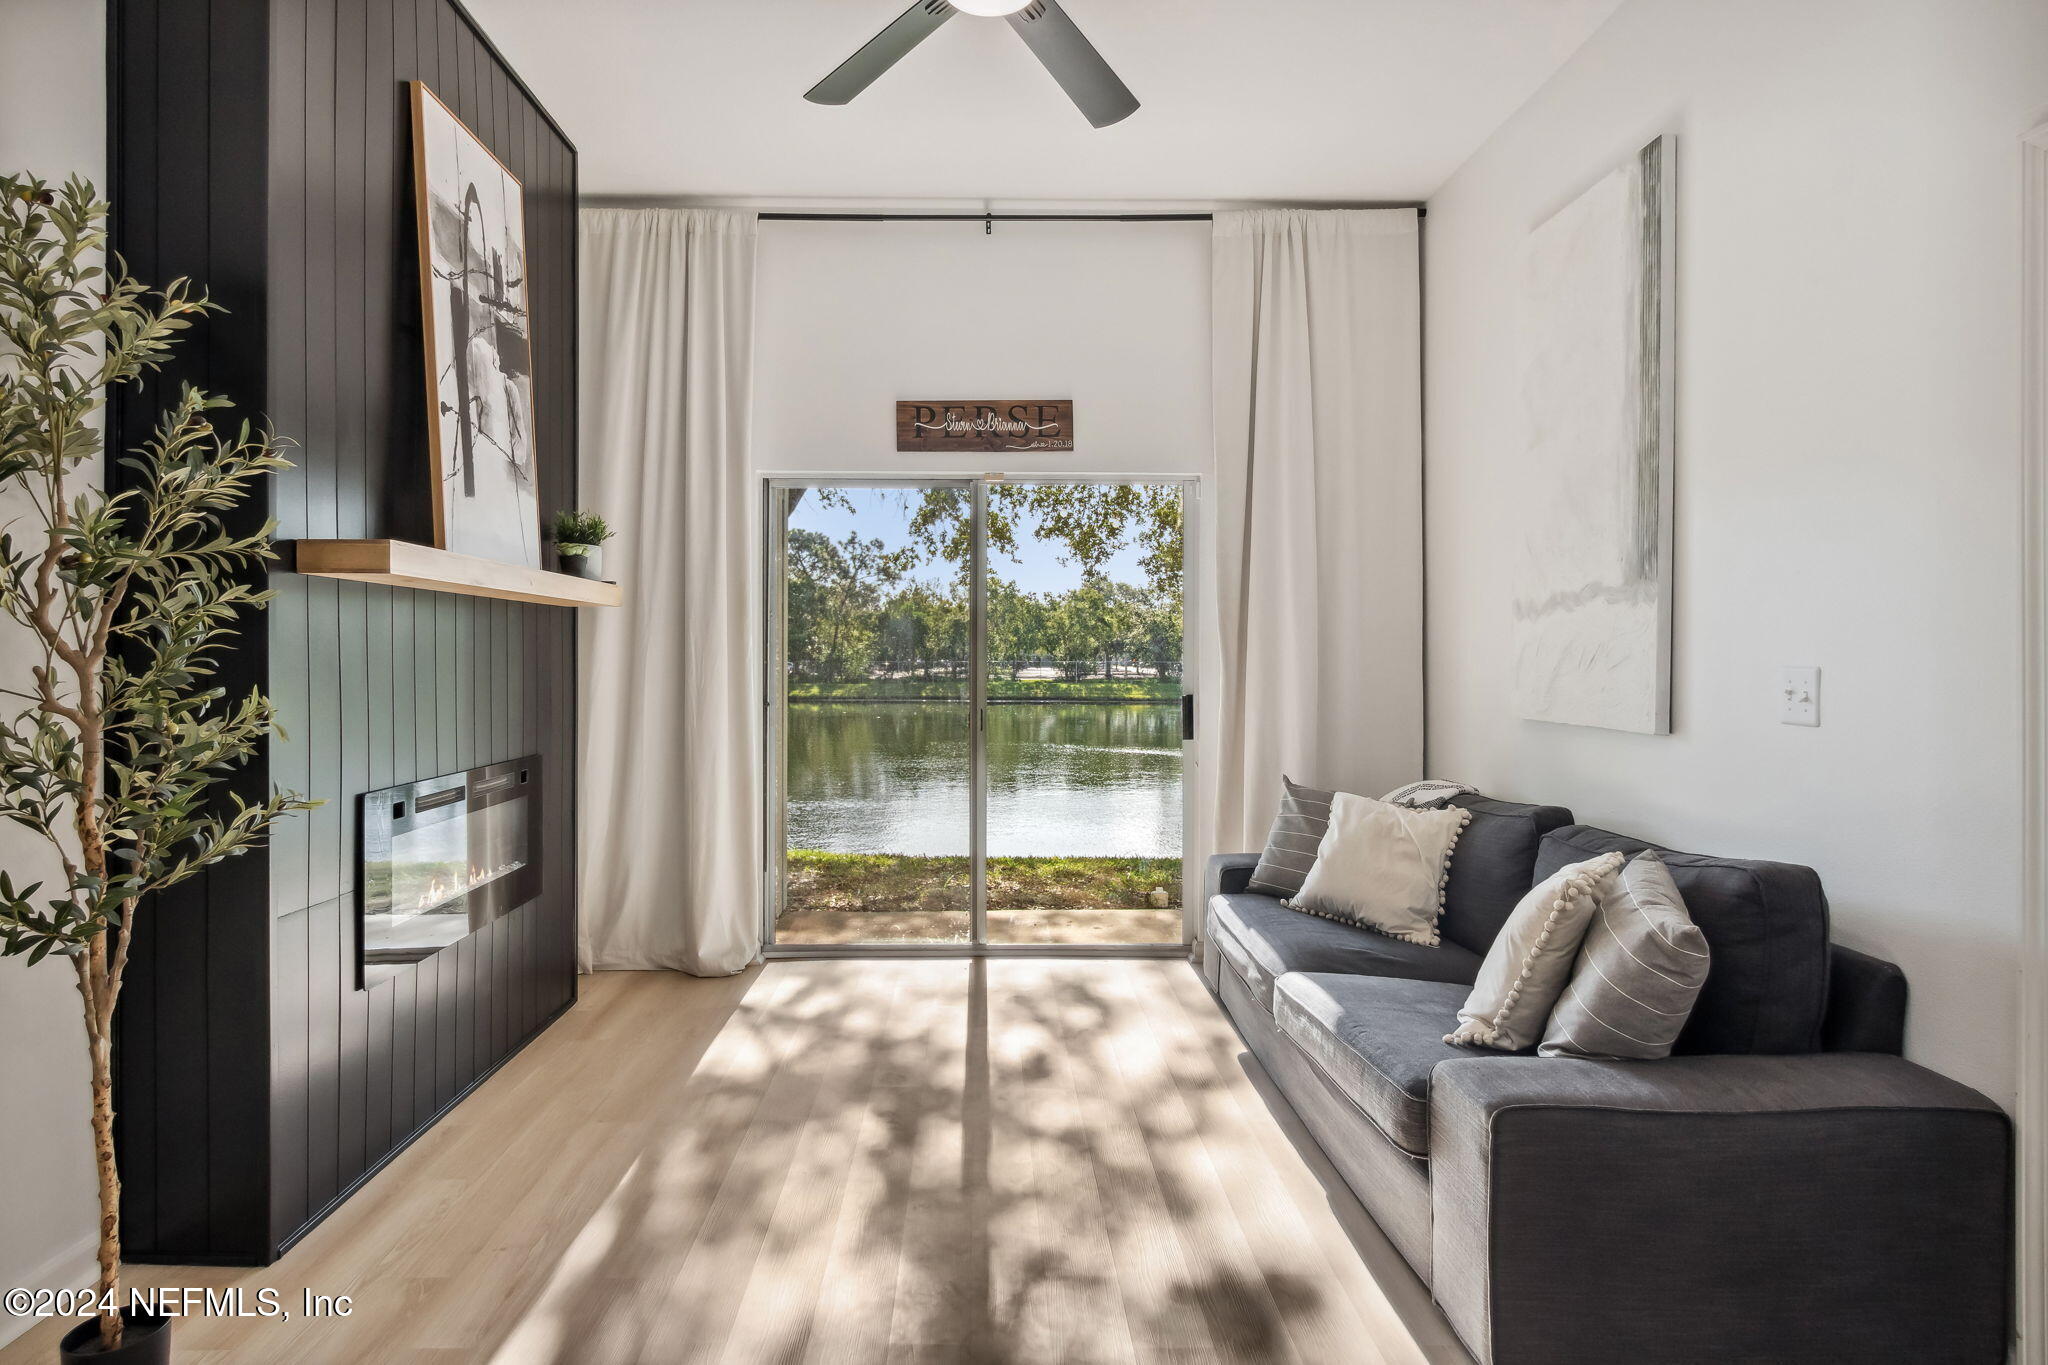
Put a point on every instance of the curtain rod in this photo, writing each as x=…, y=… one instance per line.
x=1420, y=211
x=986, y=217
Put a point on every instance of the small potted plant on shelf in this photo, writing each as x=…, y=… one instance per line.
x=579, y=543
x=122, y=750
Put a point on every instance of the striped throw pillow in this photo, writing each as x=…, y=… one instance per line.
x=1291, y=846
x=1638, y=972
x=1531, y=958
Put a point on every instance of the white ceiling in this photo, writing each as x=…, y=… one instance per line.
x=1269, y=100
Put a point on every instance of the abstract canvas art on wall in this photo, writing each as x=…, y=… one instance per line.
x=472, y=231
x=1592, y=591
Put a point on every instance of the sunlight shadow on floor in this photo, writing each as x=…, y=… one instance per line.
x=891, y=1161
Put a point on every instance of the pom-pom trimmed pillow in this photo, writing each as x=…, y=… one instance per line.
x=1383, y=867
x=1291, y=848
x=1638, y=972
x=1531, y=958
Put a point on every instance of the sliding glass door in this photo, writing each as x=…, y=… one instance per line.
x=977, y=733
x=872, y=714
x=1082, y=585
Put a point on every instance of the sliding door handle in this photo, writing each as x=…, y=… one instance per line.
x=1187, y=715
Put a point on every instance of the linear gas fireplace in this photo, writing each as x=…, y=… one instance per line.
x=442, y=858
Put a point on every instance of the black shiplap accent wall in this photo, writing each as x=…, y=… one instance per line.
x=263, y=146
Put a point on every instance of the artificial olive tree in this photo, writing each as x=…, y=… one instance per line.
x=123, y=744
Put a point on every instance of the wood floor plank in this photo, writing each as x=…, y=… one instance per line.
x=857, y=1299
x=1224, y=1283
x=808, y=1032
x=862, y=1162
x=1279, y=1244
x=942, y=1277
x=1056, y=1280
x=778, y=1305
x=603, y=1298
x=1153, y=1272
x=1401, y=1319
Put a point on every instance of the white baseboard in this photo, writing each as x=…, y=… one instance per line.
x=73, y=1267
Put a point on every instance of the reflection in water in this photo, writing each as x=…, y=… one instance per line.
x=1082, y=780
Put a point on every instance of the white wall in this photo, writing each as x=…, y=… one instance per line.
x=1847, y=463
x=53, y=123
x=851, y=317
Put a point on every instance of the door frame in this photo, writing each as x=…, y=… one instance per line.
x=2031, y=1224
x=774, y=753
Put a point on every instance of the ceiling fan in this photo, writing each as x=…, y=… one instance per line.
x=1042, y=24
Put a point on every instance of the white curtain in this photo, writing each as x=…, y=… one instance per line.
x=670, y=797
x=1318, y=543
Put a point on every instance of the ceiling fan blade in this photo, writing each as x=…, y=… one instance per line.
x=883, y=51
x=1074, y=63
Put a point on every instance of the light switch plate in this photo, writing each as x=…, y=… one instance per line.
x=1799, y=695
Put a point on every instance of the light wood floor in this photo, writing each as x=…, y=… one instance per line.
x=889, y=1162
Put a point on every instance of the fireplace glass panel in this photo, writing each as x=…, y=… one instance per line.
x=443, y=858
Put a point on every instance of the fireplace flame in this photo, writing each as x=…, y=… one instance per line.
x=442, y=887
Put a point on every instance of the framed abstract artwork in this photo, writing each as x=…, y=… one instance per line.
x=478, y=340
x=1593, y=580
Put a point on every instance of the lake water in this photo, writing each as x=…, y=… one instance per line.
x=1064, y=778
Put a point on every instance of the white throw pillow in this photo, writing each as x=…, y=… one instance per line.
x=1530, y=962
x=1383, y=867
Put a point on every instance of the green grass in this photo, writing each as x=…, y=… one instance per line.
x=892, y=882
x=1028, y=689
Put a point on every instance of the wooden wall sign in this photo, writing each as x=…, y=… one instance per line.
x=987, y=426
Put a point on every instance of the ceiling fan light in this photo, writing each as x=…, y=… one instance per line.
x=989, y=9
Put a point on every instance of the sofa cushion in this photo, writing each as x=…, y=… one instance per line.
x=1767, y=927
x=1376, y=1039
x=1494, y=867
x=1263, y=939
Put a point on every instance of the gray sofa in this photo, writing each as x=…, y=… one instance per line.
x=1785, y=1187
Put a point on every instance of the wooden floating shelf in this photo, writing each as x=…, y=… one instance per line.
x=406, y=565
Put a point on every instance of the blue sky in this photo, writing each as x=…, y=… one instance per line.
x=884, y=513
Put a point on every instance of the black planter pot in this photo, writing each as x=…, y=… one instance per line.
x=589, y=564
x=146, y=1340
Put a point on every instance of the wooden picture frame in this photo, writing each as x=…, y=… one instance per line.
x=984, y=426
x=477, y=339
